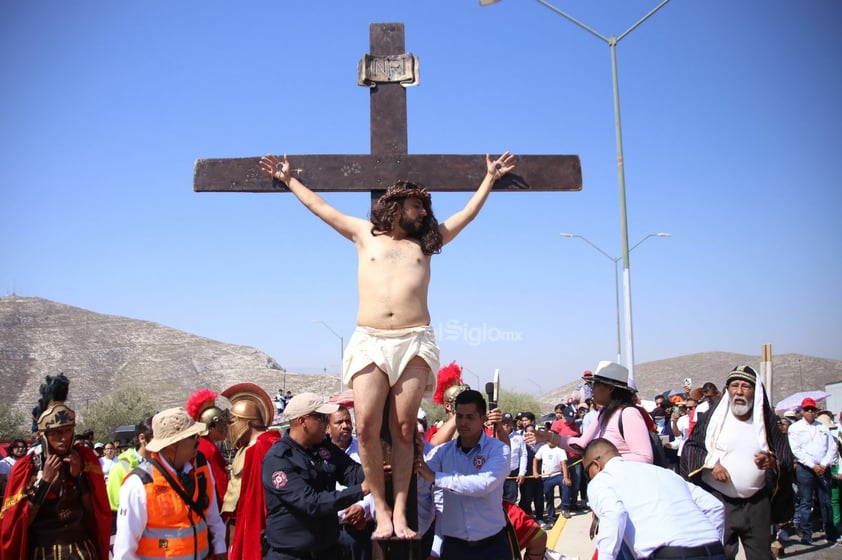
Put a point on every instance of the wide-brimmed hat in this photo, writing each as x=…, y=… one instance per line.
x=171, y=426
x=611, y=373
x=308, y=403
x=825, y=418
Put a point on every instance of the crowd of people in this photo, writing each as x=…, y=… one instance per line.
x=488, y=482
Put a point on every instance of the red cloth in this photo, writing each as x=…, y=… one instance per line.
x=692, y=422
x=251, y=520
x=14, y=519
x=650, y=423
x=526, y=528
x=219, y=467
x=562, y=428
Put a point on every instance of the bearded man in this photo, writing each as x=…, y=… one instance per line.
x=737, y=452
x=392, y=355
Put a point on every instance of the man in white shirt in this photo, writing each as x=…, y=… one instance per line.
x=737, y=452
x=811, y=444
x=681, y=426
x=108, y=459
x=554, y=474
x=624, y=494
x=169, y=502
x=470, y=471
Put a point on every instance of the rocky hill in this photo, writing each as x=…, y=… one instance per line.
x=791, y=373
x=101, y=353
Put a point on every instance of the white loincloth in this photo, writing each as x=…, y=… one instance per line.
x=391, y=351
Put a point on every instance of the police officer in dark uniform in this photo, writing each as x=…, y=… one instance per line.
x=300, y=473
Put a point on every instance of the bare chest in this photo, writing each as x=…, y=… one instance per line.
x=397, y=254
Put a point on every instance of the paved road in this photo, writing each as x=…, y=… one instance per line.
x=573, y=542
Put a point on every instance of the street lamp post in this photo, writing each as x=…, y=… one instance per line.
x=616, y=260
x=612, y=42
x=341, y=349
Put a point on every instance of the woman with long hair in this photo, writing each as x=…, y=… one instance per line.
x=611, y=392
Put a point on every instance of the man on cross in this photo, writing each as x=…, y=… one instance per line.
x=392, y=354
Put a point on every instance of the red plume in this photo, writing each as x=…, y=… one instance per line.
x=199, y=401
x=447, y=377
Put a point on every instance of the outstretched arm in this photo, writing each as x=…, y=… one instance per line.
x=495, y=168
x=348, y=226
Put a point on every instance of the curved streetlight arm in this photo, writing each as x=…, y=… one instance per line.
x=582, y=25
x=640, y=21
x=341, y=347
x=586, y=27
x=325, y=325
x=592, y=244
x=636, y=245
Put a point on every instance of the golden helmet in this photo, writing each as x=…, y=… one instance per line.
x=51, y=412
x=251, y=406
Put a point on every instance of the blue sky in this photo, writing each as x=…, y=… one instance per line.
x=730, y=114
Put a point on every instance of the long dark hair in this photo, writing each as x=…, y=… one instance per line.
x=388, y=207
x=620, y=398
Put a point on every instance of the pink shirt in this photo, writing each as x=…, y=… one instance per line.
x=634, y=447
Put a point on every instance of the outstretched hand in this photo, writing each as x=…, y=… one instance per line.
x=500, y=166
x=277, y=169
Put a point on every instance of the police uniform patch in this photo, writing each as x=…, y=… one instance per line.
x=479, y=461
x=279, y=479
x=324, y=453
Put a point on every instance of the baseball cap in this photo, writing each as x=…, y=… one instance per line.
x=308, y=403
x=508, y=417
x=808, y=403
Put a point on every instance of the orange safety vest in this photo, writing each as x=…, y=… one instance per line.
x=173, y=530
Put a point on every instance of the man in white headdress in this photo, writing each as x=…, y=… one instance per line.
x=737, y=452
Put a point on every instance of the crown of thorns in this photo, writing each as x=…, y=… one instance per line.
x=405, y=189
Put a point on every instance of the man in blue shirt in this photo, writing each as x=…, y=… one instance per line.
x=470, y=471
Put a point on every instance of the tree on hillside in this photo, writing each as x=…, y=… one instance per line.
x=13, y=423
x=128, y=405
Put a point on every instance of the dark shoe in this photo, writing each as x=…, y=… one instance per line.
x=565, y=513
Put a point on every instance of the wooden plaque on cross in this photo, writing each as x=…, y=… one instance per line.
x=387, y=70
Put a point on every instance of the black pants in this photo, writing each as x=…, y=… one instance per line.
x=510, y=487
x=356, y=545
x=531, y=495
x=332, y=553
x=496, y=547
x=748, y=520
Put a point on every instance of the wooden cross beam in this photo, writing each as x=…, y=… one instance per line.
x=386, y=70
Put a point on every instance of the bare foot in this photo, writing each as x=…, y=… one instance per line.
x=384, y=528
x=402, y=530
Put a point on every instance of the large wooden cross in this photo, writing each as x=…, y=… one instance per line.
x=386, y=70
